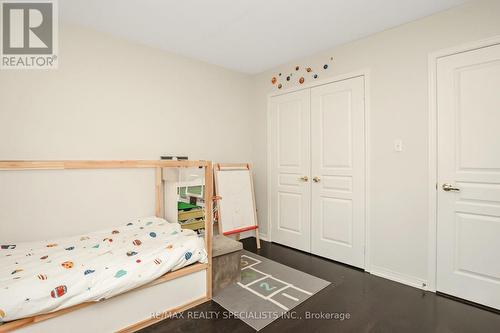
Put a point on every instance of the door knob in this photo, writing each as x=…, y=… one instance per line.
x=304, y=179
x=448, y=187
x=316, y=179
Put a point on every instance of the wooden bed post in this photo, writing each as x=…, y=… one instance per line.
x=159, y=191
x=209, y=191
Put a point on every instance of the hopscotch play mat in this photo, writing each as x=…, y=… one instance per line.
x=267, y=290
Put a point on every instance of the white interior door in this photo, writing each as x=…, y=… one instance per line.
x=290, y=169
x=468, y=233
x=338, y=171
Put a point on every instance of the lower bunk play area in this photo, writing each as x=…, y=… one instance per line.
x=119, y=278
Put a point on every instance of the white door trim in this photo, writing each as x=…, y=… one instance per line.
x=366, y=74
x=432, y=142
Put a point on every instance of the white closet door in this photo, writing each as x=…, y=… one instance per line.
x=290, y=164
x=468, y=246
x=338, y=162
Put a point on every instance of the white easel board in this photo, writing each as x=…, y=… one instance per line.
x=234, y=186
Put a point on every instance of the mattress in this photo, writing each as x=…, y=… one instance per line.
x=46, y=276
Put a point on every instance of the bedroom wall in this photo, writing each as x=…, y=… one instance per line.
x=110, y=99
x=397, y=60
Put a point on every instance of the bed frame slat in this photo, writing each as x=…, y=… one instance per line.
x=116, y=164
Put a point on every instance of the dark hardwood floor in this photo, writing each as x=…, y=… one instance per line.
x=374, y=304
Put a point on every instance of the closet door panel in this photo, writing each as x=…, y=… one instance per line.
x=290, y=169
x=338, y=171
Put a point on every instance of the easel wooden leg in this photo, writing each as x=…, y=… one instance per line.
x=159, y=192
x=257, y=239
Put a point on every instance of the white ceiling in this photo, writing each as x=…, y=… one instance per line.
x=246, y=35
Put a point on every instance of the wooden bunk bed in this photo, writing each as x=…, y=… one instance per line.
x=132, y=310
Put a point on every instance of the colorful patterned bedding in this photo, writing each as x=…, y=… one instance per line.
x=41, y=277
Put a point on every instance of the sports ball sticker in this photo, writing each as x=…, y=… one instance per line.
x=59, y=291
x=68, y=264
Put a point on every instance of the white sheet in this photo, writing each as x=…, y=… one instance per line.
x=41, y=277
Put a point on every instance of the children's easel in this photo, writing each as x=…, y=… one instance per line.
x=237, y=212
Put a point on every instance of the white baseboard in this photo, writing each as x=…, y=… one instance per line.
x=248, y=234
x=264, y=237
x=398, y=277
x=375, y=270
